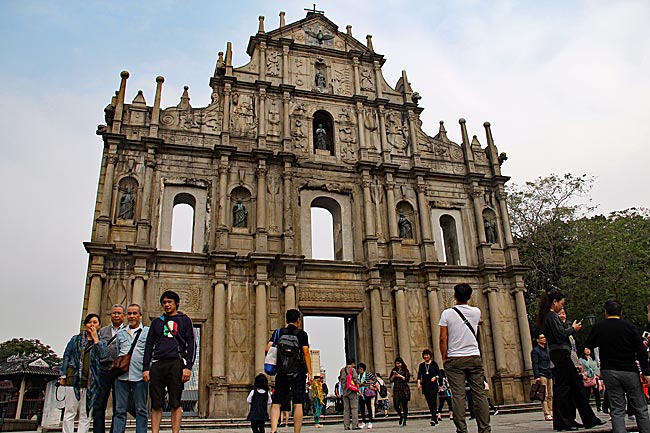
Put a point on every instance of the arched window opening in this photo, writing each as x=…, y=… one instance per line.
x=183, y=223
x=450, y=239
x=322, y=229
x=324, y=234
x=323, y=132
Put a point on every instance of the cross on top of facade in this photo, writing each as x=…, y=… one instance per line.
x=315, y=11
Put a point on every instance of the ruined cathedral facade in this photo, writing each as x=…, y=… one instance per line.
x=309, y=122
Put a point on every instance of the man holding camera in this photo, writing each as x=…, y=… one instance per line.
x=621, y=347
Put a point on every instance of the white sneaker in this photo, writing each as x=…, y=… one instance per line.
x=369, y=425
x=362, y=425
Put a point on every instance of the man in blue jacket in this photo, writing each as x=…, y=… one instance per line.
x=168, y=359
x=543, y=374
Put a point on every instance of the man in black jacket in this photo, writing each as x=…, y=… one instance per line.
x=620, y=347
x=168, y=359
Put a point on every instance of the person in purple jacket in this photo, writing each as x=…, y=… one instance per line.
x=168, y=359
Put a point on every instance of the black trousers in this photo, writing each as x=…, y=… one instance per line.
x=432, y=402
x=569, y=394
x=401, y=407
x=99, y=409
x=365, y=403
x=257, y=426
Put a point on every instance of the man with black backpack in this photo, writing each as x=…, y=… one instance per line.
x=168, y=359
x=293, y=369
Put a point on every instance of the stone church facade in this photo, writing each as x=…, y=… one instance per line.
x=309, y=122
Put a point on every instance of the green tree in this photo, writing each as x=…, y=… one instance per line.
x=608, y=257
x=28, y=347
x=541, y=212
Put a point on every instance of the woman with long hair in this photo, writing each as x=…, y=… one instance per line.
x=400, y=376
x=80, y=374
x=568, y=393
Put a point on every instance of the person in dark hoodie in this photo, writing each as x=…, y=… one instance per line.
x=168, y=359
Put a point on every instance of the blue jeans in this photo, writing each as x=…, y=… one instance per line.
x=138, y=391
x=619, y=385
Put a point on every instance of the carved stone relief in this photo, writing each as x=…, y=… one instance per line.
x=273, y=64
x=273, y=127
x=299, y=128
x=377, y=191
x=371, y=124
x=190, y=296
x=367, y=81
x=300, y=74
x=341, y=81
x=243, y=122
x=396, y=132
x=212, y=114
x=347, y=137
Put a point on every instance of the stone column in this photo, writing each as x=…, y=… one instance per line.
x=385, y=147
x=261, y=332
x=289, y=295
x=357, y=86
x=137, y=296
x=403, y=333
x=412, y=135
x=390, y=203
x=219, y=329
x=478, y=215
x=223, y=189
x=287, y=217
x=378, y=80
x=95, y=294
x=261, y=195
x=262, y=68
x=434, y=318
x=524, y=335
x=378, y=344
x=225, y=126
x=285, y=64
x=361, y=127
x=261, y=126
x=144, y=224
x=504, y=217
x=107, y=192
x=119, y=107
x=21, y=397
x=367, y=204
x=286, y=125
x=497, y=334
x=155, y=113
x=424, y=210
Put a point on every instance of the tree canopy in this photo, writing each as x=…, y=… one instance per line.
x=589, y=258
x=28, y=347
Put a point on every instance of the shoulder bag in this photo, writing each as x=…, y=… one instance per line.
x=122, y=362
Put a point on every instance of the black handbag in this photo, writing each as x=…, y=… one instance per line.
x=538, y=391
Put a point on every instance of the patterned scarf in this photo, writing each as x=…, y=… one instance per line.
x=76, y=358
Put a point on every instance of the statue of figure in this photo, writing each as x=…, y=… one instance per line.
x=321, y=134
x=405, y=228
x=490, y=231
x=320, y=80
x=239, y=215
x=127, y=203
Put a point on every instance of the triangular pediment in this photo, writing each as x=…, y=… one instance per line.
x=315, y=30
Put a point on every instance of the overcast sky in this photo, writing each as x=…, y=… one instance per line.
x=565, y=85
